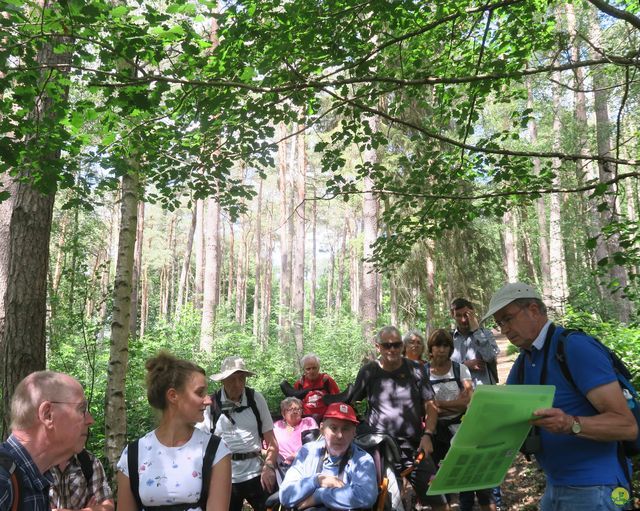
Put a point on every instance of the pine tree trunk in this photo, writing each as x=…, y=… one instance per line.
x=606, y=172
x=198, y=285
x=240, y=272
x=299, y=219
x=266, y=290
x=186, y=262
x=541, y=209
x=430, y=288
x=314, y=261
x=341, y=264
x=232, y=263
x=559, y=290
x=212, y=238
x=330, y=277
x=115, y=408
x=285, y=254
x=510, y=246
x=257, y=289
x=144, y=302
x=25, y=234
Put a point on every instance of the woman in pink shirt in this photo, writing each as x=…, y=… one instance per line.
x=289, y=429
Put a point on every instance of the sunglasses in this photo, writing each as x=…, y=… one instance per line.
x=390, y=345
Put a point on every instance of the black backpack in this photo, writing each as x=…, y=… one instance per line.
x=207, y=462
x=216, y=409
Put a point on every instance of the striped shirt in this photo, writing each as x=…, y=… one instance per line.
x=71, y=490
x=34, y=487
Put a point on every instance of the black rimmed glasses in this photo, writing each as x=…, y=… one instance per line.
x=508, y=319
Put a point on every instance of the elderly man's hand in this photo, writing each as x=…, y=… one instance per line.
x=327, y=481
x=268, y=479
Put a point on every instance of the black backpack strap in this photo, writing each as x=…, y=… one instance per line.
x=251, y=401
x=8, y=463
x=215, y=409
x=134, y=477
x=207, y=465
x=456, y=374
x=86, y=464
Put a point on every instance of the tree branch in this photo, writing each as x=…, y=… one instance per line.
x=617, y=13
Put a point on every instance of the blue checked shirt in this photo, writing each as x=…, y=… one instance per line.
x=34, y=487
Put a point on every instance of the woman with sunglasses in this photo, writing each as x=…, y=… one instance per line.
x=176, y=464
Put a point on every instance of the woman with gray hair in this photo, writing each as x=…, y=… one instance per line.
x=413, y=347
x=314, y=385
x=289, y=429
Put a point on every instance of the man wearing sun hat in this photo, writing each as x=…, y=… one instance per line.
x=240, y=416
x=579, y=435
x=332, y=472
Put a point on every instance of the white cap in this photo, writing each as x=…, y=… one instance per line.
x=229, y=366
x=507, y=294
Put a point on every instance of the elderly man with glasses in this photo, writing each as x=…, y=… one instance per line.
x=399, y=395
x=578, y=436
x=49, y=423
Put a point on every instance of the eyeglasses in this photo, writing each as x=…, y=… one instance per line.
x=508, y=319
x=414, y=342
x=83, y=406
x=390, y=345
x=294, y=410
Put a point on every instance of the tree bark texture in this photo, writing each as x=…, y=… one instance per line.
x=257, y=293
x=25, y=234
x=299, y=220
x=285, y=255
x=115, y=408
x=186, y=263
x=137, y=268
x=212, y=245
x=198, y=285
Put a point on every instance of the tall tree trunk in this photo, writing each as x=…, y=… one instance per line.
x=607, y=171
x=186, y=262
x=266, y=286
x=541, y=208
x=231, y=288
x=370, y=234
x=115, y=407
x=430, y=288
x=341, y=264
x=137, y=268
x=144, y=301
x=559, y=290
x=198, y=285
x=285, y=254
x=393, y=300
x=240, y=278
x=510, y=246
x=212, y=238
x=25, y=234
x=314, y=260
x=354, y=271
x=330, y=277
x=257, y=293
x=299, y=220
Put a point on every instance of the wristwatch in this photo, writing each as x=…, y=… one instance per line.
x=576, y=427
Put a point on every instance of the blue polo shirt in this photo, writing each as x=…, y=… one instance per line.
x=567, y=459
x=34, y=490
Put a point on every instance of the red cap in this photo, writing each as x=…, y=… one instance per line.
x=341, y=411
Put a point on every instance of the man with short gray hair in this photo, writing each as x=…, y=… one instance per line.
x=579, y=435
x=49, y=423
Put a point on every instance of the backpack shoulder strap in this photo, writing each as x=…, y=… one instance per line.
x=456, y=374
x=207, y=464
x=251, y=401
x=520, y=369
x=86, y=464
x=325, y=383
x=562, y=359
x=215, y=408
x=134, y=477
x=8, y=463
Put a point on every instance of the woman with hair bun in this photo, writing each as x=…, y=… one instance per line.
x=177, y=467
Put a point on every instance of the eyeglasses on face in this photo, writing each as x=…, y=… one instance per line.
x=294, y=410
x=390, y=345
x=82, y=406
x=501, y=324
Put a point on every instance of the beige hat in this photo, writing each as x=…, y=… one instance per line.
x=229, y=366
x=507, y=294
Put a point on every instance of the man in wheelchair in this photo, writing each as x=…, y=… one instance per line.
x=331, y=472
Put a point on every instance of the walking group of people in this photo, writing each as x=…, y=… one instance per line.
x=215, y=451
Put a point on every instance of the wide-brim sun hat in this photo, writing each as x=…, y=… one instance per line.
x=341, y=411
x=507, y=294
x=231, y=365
